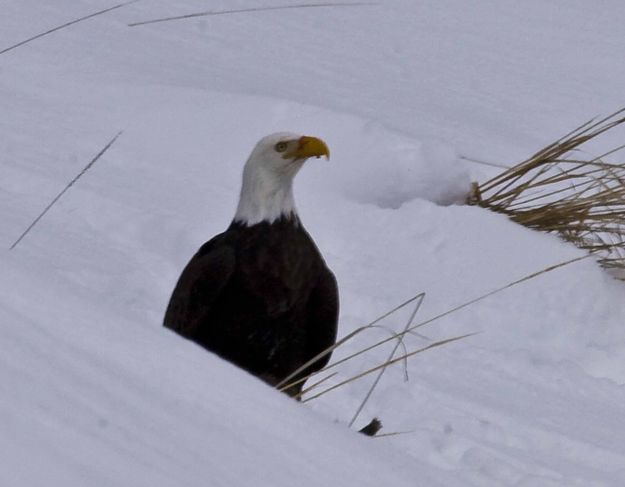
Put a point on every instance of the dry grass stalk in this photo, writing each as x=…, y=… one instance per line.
x=288, y=382
x=63, y=26
x=69, y=185
x=387, y=363
x=580, y=199
x=252, y=9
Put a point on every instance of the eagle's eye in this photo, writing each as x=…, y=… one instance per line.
x=280, y=146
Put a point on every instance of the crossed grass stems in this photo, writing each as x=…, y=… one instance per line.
x=557, y=190
x=409, y=328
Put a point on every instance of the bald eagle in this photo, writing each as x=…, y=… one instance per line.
x=260, y=294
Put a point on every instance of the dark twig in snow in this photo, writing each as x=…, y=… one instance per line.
x=67, y=24
x=252, y=9
x=69, y=185
x=372, y=428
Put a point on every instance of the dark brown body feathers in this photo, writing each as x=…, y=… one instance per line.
x=261, y=297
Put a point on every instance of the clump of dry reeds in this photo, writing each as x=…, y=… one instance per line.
x=559, y=191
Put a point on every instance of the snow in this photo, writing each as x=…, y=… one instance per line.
x=94, y=391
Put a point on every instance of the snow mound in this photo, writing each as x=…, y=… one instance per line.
x=388, y=170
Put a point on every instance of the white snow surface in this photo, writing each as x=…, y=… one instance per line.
x=94, y=391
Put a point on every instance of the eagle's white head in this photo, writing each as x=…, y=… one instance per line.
x=267, y=188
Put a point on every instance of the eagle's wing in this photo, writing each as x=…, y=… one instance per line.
x=323, y=315
x=199, y=285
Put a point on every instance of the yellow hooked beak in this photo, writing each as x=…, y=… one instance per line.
x=309, y=147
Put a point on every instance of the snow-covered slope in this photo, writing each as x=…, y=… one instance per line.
x=93, y=391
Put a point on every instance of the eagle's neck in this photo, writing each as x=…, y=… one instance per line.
x=265, y=196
